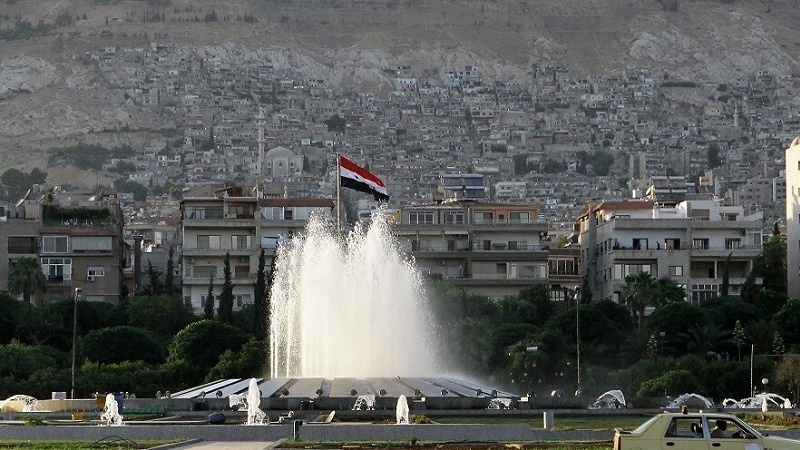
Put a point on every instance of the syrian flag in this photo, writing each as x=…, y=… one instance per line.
x=354, y=177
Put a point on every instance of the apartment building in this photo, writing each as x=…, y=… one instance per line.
x=77, y=245
x=691, y=243
x=488, y=249
x=793, y=219
x=233, y=222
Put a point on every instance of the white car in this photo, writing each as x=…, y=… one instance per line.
x=698, y=431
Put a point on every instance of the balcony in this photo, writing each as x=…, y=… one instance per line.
x=194, y=249
x=57, y=280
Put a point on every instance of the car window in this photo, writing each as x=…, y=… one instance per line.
x=723, y=428
x=684, y=427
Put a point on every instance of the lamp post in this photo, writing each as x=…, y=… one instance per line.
x=578, y=336
x=74, y=339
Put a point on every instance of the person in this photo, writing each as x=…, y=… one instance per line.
x=719, y=430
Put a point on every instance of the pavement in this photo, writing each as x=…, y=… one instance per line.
x=228, y=445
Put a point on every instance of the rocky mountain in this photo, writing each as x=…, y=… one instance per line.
x=50, y=96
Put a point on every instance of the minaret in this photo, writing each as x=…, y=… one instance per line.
x=260, y=164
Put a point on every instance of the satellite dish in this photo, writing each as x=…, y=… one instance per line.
x=24, y=197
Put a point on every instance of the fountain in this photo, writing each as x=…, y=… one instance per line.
x=679, y=401
x=763, y=401
x=111, y=414
x=401, y=411
x=255, y=416
x=364, y=403
x=348, y=307
x=21, y=403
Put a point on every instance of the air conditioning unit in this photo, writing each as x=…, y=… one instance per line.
x=189, y=260
x=230, y=216
x=89, y=277
x=442, y=262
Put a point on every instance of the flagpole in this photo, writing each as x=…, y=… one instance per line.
x=338, y=199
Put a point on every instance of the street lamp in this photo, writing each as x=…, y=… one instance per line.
x=74, y=338
x=578, y=335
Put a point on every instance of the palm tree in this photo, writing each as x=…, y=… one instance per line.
x=26, y=278
x=706, y=339
x=638, y=293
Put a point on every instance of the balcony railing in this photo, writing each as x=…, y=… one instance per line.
x=221, y=247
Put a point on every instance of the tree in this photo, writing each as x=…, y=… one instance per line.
x=336, y=124
x=169, y=282
x=774, y=264
x=164, y=315
x=225, y=310
x=202, y=343
x=706, y=339
x=248, y=362
x=156, y=286
x=26, y=278
x=739, y=337
x=208, y=304
x=15, y=182
x=673, y=382
x=787, y=323
x=668, y=291
x=788, y=372
x=121, y=343
x=726, y=276
x=638, y=293
x=261, y=299
x=714, y=160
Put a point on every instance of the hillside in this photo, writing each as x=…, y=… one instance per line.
x=49, y=96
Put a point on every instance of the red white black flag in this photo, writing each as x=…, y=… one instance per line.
x=354, y=177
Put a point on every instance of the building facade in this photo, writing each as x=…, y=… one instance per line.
x=77, y=246
x=793, y=219
x=691, y=243
x=488, y=249
x=228, y=222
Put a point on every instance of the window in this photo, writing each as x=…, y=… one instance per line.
x=562, y=267
x=240, y=242
x=518, y=217
x=483, y=217
x=700, y=244
x=703, y=292
x=620, y=271
x=676, y=271
x=187, y=301
x=57, y=270
x=92, y=244
x=420, y=218
x=208, y=242
x=731, y=243
x=241, y=271
x=640, y=244
x=96, y=272
x=21, y=244
x=454, y=218
x=288, y=214
x=685, y=427
x=54, y=244
x=243, y=299
x=205, y=272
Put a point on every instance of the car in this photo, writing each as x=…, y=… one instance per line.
x=698, y=431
